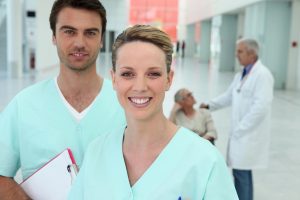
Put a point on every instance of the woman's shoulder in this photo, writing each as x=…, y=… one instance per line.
x=195, y=141
x=199, y=149
x=108, y=137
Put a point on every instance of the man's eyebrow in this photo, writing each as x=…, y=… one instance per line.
x=93, y=29
x=72, y=28
x=67, y=27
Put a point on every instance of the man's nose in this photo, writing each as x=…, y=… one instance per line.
x=79, y=41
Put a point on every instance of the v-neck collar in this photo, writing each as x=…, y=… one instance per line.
x=170, y=155
x=90, y=107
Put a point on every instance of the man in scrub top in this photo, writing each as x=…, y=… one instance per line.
x=67, y=111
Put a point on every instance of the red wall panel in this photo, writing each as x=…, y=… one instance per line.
x=160, y=13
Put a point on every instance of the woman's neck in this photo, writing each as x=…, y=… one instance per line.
x=143, y=141
x=149, y=133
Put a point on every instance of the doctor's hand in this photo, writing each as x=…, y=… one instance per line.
x=203, y=105
x=208, y=137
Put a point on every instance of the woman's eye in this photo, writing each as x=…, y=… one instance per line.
x=127, y=74
x=154, y=74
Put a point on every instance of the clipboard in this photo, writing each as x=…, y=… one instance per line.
x=52, y=181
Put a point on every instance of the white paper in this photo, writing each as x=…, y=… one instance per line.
x=53, y=181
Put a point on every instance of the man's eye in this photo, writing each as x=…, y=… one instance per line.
x=69, y=32
x=91, y=33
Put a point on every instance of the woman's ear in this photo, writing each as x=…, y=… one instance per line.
x=113, y=78
x=169, y=80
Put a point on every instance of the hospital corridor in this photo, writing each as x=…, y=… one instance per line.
x=216, y=43
x=280, y=180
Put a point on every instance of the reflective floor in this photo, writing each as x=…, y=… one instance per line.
x=280, y=181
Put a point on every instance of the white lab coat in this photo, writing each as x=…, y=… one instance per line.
x=251, y=99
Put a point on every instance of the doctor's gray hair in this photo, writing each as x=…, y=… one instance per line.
x=251, y=44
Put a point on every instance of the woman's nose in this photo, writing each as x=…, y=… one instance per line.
x=140, y=84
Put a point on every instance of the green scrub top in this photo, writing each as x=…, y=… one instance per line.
x=36, y=126
x=189, y=167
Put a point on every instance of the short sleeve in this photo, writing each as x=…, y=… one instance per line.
x=9, y=140
x=220, y=184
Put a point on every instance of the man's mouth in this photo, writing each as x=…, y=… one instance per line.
x=79, y=54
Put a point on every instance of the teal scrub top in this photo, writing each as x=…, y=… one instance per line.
x=189, y=167
x=36, y=126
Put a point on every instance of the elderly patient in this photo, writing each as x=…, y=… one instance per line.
x=184, y=114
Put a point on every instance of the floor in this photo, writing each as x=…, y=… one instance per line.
x=280, y=181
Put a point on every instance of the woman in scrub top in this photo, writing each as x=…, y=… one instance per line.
x=150, y=158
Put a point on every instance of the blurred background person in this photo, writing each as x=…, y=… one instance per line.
x=250, y=95
x=182, y=48
x=184, y=114
x=177, y=47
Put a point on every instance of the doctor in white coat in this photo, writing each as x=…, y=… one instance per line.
x=250, y=95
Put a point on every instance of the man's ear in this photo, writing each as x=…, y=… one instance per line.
x=113, y=78
x=179, y=102
x=53, y=39
x=169, y=80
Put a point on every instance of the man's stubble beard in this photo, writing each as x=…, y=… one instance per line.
x=82, y=68
x=86, y=66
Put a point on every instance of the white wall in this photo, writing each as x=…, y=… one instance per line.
x=205, y=38
x=181, y=28
x=240, y=34
x=14, y=37
x=30, y=4
x=228, y=31
x=298, y=76
x=272, y=37
x=293, y=73
x=46, y=55
x=117, y=14
x=29, y=35
x=198, y=10
x=215, y=45
x=190, y=44
x=267, y=21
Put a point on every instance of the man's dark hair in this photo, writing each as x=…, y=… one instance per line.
x=92, y=5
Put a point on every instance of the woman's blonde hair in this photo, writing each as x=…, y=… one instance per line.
x=144, y=33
